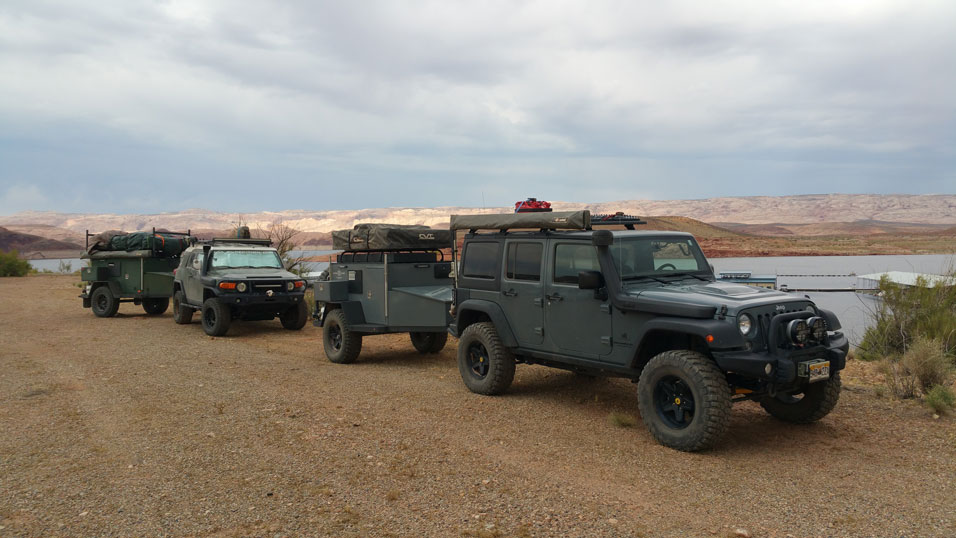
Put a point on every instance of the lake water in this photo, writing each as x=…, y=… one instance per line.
x=53, y=264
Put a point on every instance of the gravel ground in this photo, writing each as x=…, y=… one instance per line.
x=137, y=426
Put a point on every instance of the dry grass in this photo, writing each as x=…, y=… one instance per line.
x=621, y=420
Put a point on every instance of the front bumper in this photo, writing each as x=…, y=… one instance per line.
x=783, y=363
x=279, y=301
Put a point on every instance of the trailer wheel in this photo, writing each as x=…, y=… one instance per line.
x=103, y=303
x=428, y=342
x=294, y=318
x=155, y=307
x=182, y=314
x=342, y=344
x=216, y=317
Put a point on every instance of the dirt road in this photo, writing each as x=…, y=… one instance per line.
x=137, y=426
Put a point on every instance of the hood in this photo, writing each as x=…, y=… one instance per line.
x=735, y=296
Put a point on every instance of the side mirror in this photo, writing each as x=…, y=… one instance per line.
x=590, y=280
x=602, y=238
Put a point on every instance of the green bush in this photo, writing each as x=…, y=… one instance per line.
x=908, y=312
x=941, y=399
x=924, y=365
x=12, y=265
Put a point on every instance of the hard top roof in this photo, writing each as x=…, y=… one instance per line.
x=580, y=234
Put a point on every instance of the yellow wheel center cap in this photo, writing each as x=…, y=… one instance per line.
x=677, y=401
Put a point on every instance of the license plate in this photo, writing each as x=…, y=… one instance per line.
x=819, y=371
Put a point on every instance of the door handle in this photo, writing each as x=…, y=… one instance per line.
x=556, y=297
x=510, y=293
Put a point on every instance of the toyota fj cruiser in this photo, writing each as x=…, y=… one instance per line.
x=227, y=279
x=642, y=305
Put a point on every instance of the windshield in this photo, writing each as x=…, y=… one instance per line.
x=648, y=257
x=245, y=258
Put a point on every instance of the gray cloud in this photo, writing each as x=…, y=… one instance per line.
x=439, y=102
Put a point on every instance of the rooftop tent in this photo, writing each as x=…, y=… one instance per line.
x=164, y=245
x=558, y=220
x=369, y=236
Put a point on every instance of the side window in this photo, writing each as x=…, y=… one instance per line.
x=480, y=260
x=523, y=261
x=570, y=259
x=197, y=260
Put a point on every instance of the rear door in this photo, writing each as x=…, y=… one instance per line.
x=522, y=293
x=577, y=322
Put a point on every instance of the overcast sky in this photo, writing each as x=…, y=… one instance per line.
x=134, y=106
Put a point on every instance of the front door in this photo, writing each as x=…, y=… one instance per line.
x=577, y=322
x=521, y=291
x=193, y=281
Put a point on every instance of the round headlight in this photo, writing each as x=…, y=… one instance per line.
x=818, y=328
x=745, y=323
x=290, y=285
x=241, y=287
x=799, y=331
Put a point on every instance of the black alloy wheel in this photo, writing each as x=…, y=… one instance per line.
x=674, y=402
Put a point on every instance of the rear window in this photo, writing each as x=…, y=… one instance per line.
x=524, y=261
x=480, y=260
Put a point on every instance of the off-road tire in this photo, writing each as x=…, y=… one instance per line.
x=155, y=307
x=103, y=303
x=182, y=314
x=429, y=342
x=216, y=317
x=817, y=402
x=342, y=344
x=485, y=364
x=294, y=318
x=677, y=375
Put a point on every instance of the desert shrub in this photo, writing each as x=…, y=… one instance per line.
x=908, y=312
x=12, y=265
x=924, y=365
x=940, y=399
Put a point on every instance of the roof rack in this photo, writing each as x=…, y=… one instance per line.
x=616, y=219
x=558, y=220
x=241, y=241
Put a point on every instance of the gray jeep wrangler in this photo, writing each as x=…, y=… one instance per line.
x=642, y=305
x=227, y=279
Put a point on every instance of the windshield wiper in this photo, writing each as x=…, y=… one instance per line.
x=636, y=277
x=683, y=274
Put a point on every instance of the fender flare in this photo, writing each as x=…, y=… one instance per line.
x=492, y=310
x=726, y=335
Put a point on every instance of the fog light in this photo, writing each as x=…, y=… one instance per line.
x=798, y=331
x=818, y=328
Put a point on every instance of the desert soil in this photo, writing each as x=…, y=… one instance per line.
x=137, y=426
